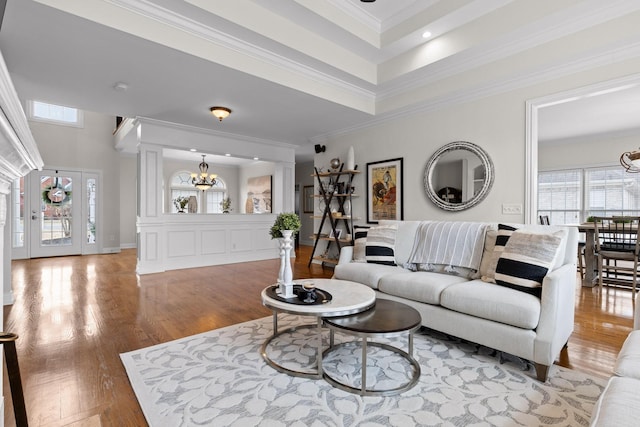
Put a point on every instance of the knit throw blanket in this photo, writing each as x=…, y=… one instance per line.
x=454, y=244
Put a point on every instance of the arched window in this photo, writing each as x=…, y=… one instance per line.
x=181, y=187
x=215, y=195
x=209, y=201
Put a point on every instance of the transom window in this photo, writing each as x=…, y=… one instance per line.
x=571, y=196
x=57, y=114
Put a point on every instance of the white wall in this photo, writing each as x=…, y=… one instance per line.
x=586, y=152
x=496, y=123
x=128, y=178
x=303, y=177
x=89, y=148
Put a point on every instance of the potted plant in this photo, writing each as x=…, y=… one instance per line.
x=225, y=204
x=285, y=221
x=180, y=203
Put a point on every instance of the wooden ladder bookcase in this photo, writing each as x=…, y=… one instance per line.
x=341, y=191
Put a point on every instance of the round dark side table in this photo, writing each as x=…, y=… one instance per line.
x=386, y=319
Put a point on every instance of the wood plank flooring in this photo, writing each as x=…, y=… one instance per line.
x=75, y=315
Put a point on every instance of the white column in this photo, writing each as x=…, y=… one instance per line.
x=149, y=218
x=283, y=187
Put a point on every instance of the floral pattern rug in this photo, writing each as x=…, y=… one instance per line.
x=219, y=378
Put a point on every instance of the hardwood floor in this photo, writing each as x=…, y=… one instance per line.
x=75, y=315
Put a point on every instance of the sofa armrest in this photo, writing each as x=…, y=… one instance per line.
x=346, y=255
x=556, y=314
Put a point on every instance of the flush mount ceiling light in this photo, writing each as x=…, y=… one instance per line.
x=631, y=161
x=220, y=112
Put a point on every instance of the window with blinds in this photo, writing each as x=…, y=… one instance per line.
x=571, y=196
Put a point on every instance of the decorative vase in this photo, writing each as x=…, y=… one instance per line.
x=347, y=207
x=351, y=162
x=192, y=205
x=286, y=285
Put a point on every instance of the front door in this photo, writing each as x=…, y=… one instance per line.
x=55, y=214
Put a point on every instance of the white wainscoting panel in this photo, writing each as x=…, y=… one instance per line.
x=213, y=242
x=198, y=240
x=181, y=243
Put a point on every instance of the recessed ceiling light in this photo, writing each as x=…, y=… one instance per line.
x=426, y=34
x=193, y=150
x=256, y=158
x=367, y=1
x=227, y=154
x=120, y=86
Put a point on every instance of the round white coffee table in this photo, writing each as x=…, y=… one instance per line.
x=347, y=298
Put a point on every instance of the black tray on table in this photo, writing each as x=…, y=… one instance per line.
x=322, y=297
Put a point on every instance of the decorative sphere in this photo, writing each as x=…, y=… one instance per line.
x=335, y=163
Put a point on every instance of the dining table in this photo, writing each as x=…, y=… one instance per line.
x=590, y=278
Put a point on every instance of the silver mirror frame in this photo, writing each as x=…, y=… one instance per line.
x=480, y=196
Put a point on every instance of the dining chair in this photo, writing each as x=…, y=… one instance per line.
x=544, y=220
x=617, y=239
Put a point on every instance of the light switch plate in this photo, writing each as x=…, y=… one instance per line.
x=511, y=208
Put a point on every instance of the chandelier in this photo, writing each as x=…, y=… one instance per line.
x=203, y=181
x=631, y=161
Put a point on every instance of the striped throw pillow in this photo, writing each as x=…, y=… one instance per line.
x=381, y=241
x=359, y=243
x=526, y=259
x=502, y=237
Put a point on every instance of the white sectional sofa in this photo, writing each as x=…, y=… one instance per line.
x=619, y=404
x=458, y=302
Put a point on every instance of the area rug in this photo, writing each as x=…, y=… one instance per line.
x=219, y=378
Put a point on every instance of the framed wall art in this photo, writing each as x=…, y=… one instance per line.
x=258, y=195
x=384, y=191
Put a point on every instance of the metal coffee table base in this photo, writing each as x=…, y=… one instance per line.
x=363, y=391
x=304, y=374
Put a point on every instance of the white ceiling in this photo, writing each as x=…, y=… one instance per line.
x=292, y=71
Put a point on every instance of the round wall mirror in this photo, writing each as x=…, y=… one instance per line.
x=458, y=176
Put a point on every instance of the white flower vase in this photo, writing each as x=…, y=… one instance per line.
x=286, y=285
x=281, y=272
x=351, y=162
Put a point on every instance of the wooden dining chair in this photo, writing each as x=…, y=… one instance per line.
x=617, y=239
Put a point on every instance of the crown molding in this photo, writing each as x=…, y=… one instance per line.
x=155, y=12
x=606, y=55
x=555, y=26
x=212, y=132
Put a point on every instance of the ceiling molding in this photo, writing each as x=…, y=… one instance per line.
x=165, y=16
x=604, y=56
x=358, y=13
x=212, y=132
x=553, y=27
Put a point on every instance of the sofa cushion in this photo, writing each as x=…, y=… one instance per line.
x=467, y=273
x=628, y=361
x=526, y=259
x=618, y=405
x=419, y=286
x=492, y=302
x=380, y=244
x=359, y=243
x=367, y=274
